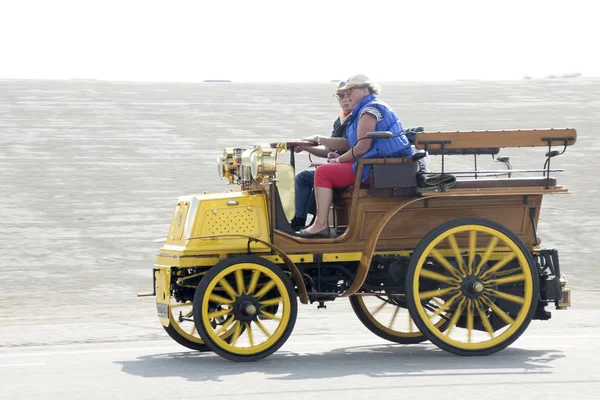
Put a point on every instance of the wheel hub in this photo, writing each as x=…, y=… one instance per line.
x=246, y=308
x=249, y=308
x=472, y=286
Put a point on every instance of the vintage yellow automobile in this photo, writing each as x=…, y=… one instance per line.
x=456, y=261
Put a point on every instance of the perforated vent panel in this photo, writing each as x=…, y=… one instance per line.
x=234, y=220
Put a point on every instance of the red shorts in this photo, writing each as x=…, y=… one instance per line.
x=335, y=175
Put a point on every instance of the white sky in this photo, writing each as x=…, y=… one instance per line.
x=304, y=40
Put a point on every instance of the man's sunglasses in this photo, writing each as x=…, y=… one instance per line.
x=343, y=93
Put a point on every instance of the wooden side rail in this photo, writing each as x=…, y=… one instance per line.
x=496, y=139
x=465, y=152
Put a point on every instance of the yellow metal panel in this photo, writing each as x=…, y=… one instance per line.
x=241, y=220
x=163, y=294
x=187, y=261
x=178, y=221
x=217, y=224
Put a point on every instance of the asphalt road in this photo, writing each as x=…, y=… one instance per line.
x=329, y=355
x=89, y=176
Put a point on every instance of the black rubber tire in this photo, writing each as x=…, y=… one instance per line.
x=363, y=317
x=410, y=295
x=203, y=286
x=176, y=336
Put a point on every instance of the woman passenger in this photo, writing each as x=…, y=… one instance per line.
x=369, y=114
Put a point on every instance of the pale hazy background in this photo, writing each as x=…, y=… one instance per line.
x=90, y=172
x=265, y=40
x=92, y=163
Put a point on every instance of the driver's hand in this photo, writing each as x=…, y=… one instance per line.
x=311, y=139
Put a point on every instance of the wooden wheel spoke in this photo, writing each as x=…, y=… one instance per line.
x=484, y=320
x=225, y=325
x=271, y=302
x=445, y=263
x=227, y=287
x=410, y=323
x=236, y=333
x=253, y=281
x=457, y=255
x=508, y=258
x=445, y=306
x=506, y=272
x=239, y=281
x=265, y=289
x=218, y=314
x=250, y=334
x=270, y=316
x=455, y=316
x=508, y=279
x=215, y=298
x=486, y=255
x=508, y=297
x=394, y=317
x=425, y=273
x=505, y=317
x=378, y=308
x=436, y=293
x=262, y=328
x=472, y=247
x=188, y=314
x=193, y=330
x=469, y=321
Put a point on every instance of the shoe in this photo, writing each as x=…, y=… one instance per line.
x=298, y=223
x=321, y=234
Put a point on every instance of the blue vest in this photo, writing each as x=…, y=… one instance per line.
x=380, y=147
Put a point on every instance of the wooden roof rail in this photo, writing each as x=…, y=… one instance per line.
x=491, y=139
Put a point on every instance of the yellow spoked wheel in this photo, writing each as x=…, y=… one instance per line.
x=388, y=317
x=254, y=299
x=182, y=328
x=486, y=280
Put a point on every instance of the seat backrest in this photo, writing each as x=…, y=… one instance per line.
x=402, y=175
x=389, y=176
